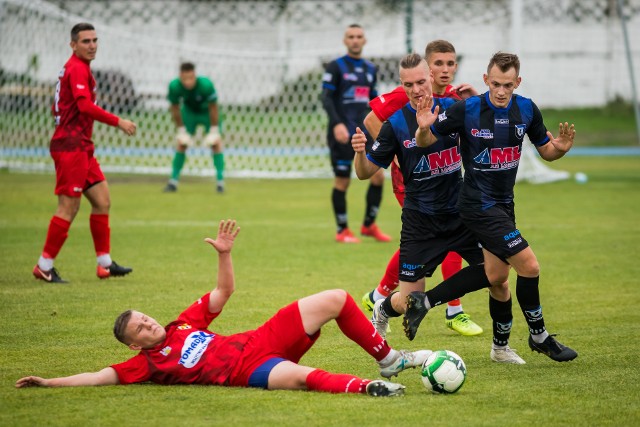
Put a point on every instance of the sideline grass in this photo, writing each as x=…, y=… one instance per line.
x=585, y=237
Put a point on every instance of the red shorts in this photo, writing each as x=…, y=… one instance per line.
x=281, y=336
x=76, y=171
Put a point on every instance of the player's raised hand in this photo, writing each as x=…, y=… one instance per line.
x=424, y=116
x=227, y=232
x=566, y=135
x=127, y=126
x=359, y=141
x=464, y=90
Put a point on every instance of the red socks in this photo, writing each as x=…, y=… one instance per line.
x=101, y=233
x=389, y=281
x=56, y=236
x=320, y=380
x=355, y=326
x=450, y=266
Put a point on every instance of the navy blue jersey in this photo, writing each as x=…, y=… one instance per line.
x=490, y=145
x=353, y=84
x=431, y=175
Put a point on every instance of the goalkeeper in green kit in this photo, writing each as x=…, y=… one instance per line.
x=194, y=102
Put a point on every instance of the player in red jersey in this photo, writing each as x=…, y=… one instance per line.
x=441, y=57
x=77, y=170
x=186, y=352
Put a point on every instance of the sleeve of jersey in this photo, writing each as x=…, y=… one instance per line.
x=383, y=149
x=385, y=105
x=537, y=131
x=96, y=113
x=198, y=314
x=331, y=77
x=81, y=91
x=172, y=94
x=212, y=95
x=449, y=121
x=134, y=370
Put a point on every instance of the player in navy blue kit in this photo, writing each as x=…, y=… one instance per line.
x=348, y=84
x=491, y=128
x=431, y=226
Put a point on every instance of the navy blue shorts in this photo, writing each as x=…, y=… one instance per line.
x=496, y=230
x=260, y=377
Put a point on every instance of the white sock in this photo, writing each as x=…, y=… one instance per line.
x=452, y=310
x=393, y=354
x=539, y=338
x=104, y=260
x=377, y=295
x=45, y=264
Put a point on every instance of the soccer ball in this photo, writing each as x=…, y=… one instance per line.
x=443, y=372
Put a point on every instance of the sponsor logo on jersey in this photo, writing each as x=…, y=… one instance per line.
x=382, y=100
x=520, y=129
x=409, y=144
x=407, y=273
x=375, y=145
x=482, y=133
x=499, y=158
x=326, y=77
x=502, y=121
x=361, y=93
x=184, y=327
x=514, y=243
x=194, y=347
x=350, y=77
x=441, y=163
x=165, y=351
x=79, y=86
x=412, y=267
x=442, y=116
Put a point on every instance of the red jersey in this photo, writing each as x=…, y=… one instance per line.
x=190, y=354
x=383, y=106
x=73, y=127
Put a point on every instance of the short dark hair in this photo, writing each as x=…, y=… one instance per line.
x=185, y=67
x=411, y=60
x=504, y=61
x=355, y=26
x=120, y=326
x=438, y=46
x=82, y=26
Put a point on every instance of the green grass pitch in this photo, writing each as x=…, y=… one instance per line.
x=585, y=237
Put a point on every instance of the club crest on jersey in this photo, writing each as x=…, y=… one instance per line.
x=165, y=351
x=499, y=158
x=194, y=347
x=441, y=163
x=409, y=144
x=520, y=129
x=442, y=116
x=482, y=133
x=184, y=327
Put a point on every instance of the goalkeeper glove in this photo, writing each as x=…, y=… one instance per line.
x=213, y=137
x=183, y=137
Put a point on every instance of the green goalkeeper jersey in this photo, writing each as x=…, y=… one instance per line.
x=196, y=100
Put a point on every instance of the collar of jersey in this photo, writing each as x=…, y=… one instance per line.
x=493, y=107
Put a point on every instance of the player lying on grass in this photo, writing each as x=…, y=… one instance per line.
x=185, y=352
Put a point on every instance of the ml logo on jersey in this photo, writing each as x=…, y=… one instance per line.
x=193, y=348
x=440, y=163
x=409, y=144
x=482, y=133
x=499, y=158
x=520, y=129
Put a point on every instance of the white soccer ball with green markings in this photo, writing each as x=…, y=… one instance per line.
x=443, y=372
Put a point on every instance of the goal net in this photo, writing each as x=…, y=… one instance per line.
x=266, y=60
